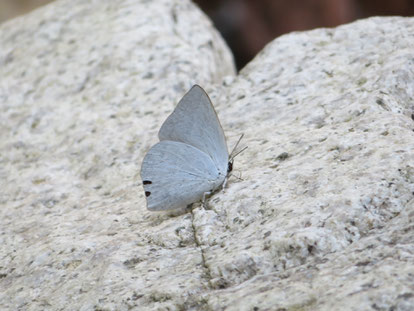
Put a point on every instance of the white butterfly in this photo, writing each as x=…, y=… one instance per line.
x=191, y=160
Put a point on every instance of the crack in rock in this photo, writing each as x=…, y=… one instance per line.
x=203, y=259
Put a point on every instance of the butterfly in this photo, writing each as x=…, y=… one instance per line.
x=191, y=160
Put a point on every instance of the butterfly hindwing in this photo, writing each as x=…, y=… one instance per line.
x=176, y=174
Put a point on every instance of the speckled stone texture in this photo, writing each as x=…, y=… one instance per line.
x=320, y=218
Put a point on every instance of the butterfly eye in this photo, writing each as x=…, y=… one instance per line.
x=229, y=167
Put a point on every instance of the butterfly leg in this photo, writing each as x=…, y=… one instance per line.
x=225, y=181
x=227, y=178
x=205, y=194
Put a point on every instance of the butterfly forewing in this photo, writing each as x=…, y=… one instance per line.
x=195, y=122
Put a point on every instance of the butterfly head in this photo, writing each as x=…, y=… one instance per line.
x=230, y=166
x=233, y=154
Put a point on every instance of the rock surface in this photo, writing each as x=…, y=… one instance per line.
x=322, y=218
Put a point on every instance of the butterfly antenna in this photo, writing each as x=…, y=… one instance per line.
x=232, y=154
x=237, y=153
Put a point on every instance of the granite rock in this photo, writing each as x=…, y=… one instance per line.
x=322, y=219
x=319, y=215
x=84, y=85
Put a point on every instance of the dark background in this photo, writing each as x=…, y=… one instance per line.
x=247, y=25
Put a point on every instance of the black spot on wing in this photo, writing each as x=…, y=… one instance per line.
x=147, y=193
x=147, y=182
